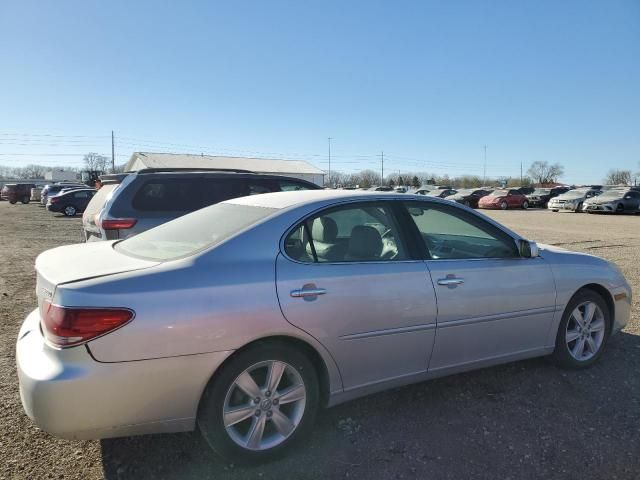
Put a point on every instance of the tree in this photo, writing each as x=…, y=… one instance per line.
x=543, y=172
x=618, y=177
x=369, y=178
x=94, y=161
x=415, y=182
x=33, y=171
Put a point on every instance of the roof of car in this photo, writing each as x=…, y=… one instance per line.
x=288, y=199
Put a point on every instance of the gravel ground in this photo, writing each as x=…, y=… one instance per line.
x=522, y=420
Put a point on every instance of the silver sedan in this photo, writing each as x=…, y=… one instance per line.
x=244, y=318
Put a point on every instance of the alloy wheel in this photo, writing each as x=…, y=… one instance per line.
x=585, y=331
x=504, y=205
x=69, y=211
x=264, y=405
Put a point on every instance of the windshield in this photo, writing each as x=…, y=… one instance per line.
x=499, y=193
x=194, y=232
x=612, y=194
x=542, y=191
x=464, y=192
x=574, y=194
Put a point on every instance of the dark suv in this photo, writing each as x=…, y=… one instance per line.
x=540, y=196
x=130, y=203
x=17, y=192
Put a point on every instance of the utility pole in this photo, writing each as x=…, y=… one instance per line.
x=382, y=168
x=329, y=139
x=484, y=170
x=520, y=172
x=113, y=154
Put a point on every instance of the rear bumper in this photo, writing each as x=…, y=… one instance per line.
x=53, y=208
x=69, y=394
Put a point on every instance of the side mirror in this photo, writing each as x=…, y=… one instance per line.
x=528, y=249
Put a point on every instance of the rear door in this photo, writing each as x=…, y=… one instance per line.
x=348, y=278
x=492, y=302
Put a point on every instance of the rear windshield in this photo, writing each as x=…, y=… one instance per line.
x=194, y=232
x=99, y=199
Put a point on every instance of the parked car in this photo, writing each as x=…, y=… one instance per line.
x=17, y=192
x=244, y=318
x=541, y=196
x=128, y=204
x=573, y=200
x=526, y=190
x=425, y=189
x=469, y=196
x=614, y=201
x=504, y=199
x=54, y=189
x=442, y=193
x=72, y=202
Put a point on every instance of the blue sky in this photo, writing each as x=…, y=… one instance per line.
x=427, y=82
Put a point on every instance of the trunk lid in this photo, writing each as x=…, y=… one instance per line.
x=72, y=263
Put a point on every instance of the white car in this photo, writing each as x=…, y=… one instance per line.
x=573, y=200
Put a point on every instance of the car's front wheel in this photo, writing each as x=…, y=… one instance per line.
x=262, y=402
x=504, y=205
x=525, y=205
x=583, y=331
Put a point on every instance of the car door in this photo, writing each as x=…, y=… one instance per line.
x=346, y=276
x=514, y=198
x=492, y=302
x=631, y=201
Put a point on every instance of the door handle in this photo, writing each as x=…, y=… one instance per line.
x=450, y=281
x=307, y=292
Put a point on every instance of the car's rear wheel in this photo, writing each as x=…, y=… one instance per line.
x=260, y=404
x=504, y=205
x=12, y=202
x=25, y=199
x=619, y=208
x=583, y=331
x=69, y=211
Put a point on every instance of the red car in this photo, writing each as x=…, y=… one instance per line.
x=504, y=199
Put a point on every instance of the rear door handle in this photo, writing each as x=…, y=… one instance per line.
x=450, y=281
x=307, y=292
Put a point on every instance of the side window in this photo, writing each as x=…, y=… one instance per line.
x=450, y=233
x=355, y=233
x=170, y=195
x=219, y=189
x=256, y=187
x=289, y=186
x=81, y=195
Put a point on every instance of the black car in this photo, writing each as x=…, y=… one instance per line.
x=469, y=196
x=526, y=190
x=70, y=203
x=541, y=196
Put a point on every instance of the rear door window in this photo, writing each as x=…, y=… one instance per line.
x=218, y=190
x=169, y=195
x=290, y=186
x=99, y=199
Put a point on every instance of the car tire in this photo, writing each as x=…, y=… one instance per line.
x=12, y=202
x=232, y=442
x=25, y=200
x=571, y=353
x=554, y=210
x=579, y=208
x=525, y=205
x=504, y=205
x=620, y=208
x=69, y=211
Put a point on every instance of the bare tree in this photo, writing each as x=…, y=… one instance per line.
x=96, y=162
x=618, y=177
x=543, y=172
x=369, y=178
x=33, y=171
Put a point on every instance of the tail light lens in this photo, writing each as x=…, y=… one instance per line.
x=54, y=200
x=66, y=327
x=117, y=223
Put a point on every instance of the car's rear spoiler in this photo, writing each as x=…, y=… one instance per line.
x=113, y=178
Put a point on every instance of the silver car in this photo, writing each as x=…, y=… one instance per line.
x=573, y=200
x=244, y=318
x=615, y=200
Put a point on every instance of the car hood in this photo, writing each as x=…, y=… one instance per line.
x=72, y=263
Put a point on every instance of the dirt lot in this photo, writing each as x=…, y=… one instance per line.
x=523, y=420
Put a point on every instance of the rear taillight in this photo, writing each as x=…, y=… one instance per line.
x=65, y=326
x=54, y=200
x=117, y=223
